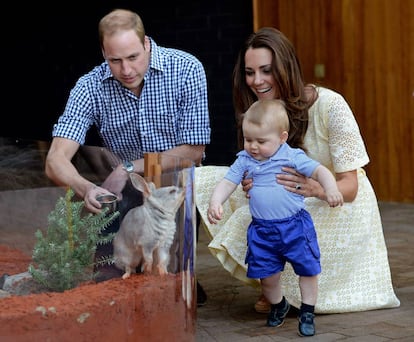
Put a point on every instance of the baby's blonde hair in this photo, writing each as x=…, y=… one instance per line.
x=264, y=113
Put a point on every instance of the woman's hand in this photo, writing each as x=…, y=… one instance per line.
x=247, y=184
x=299, y=184
x=293, y=182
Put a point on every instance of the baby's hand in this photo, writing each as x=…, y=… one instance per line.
x=334, y=198
x=214, y=213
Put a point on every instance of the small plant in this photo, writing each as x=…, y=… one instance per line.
x=65, y=255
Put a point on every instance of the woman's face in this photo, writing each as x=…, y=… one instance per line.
x=258, y=73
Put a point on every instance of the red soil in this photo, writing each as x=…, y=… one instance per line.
x=141, y=308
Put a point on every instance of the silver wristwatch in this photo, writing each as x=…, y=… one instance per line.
x=128, y=166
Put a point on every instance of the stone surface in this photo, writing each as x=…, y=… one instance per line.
x=229, y=316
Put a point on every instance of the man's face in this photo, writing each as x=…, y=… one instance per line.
x=127, y=57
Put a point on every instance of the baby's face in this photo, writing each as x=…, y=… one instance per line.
x=261, y=142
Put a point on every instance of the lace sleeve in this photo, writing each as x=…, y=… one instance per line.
x=334, y=137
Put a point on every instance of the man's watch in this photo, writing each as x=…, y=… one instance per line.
x=128, y=166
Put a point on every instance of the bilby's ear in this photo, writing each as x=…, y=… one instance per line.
x=140, y=184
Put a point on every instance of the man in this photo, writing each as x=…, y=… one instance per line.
x=142, y=98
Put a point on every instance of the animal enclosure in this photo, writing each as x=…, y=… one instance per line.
x=123, y=309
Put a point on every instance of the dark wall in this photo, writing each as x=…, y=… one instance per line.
x=49, y=47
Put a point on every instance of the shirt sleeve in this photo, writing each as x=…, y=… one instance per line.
x=333, y=137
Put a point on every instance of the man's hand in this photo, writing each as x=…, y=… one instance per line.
x=91, y=203
x=113, y=184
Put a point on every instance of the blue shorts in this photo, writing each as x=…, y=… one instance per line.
x=272, y=243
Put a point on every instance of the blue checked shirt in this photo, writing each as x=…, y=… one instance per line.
x=172, y=109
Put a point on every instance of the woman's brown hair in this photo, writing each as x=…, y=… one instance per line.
x=287, y=72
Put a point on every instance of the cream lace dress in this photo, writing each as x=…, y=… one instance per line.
x=355, y=271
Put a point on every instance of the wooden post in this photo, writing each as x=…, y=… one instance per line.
x=152, y=167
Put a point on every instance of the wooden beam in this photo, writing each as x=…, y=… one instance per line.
x=152, y=167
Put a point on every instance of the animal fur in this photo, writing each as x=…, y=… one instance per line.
x=148, y=230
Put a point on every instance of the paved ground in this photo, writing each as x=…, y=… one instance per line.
x=229, y=316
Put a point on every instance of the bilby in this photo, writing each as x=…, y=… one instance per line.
x=148, y=230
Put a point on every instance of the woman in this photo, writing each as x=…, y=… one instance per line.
x=355, y=271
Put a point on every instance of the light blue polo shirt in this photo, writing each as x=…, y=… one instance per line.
x=268, y=199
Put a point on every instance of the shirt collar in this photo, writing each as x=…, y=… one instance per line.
x=282, y=153
x=157, y=59
x=107, y=73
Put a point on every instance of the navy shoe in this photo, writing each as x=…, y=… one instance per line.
x=306, y=324
x=277, y=317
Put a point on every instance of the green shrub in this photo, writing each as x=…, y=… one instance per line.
x=65, y=255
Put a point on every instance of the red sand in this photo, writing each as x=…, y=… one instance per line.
x=141, y=308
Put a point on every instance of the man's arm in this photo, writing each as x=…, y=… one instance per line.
x=59, y=167
x=61, y=171
x=115, y=182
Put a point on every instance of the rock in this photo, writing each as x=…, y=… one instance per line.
x=3, y=279
x=21, y=284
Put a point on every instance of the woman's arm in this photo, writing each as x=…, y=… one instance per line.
x=347, y=183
